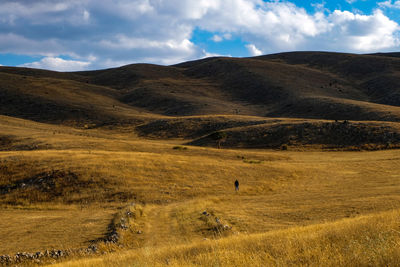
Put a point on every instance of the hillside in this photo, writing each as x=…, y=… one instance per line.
x=301, y=85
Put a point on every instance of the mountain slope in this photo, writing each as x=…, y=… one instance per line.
x=65, y=101
x=302, y=85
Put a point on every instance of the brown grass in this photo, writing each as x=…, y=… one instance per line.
x=284, y=189
x=363, y=241
x=40, y=227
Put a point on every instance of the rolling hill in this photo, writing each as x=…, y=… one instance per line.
x=220, y=93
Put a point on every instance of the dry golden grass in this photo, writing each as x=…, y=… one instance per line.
x=372, y=240
x=278, y=190
x=41, y=227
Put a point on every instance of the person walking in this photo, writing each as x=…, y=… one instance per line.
x=236, y=185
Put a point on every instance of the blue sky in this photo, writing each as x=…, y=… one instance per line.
x=93, y=34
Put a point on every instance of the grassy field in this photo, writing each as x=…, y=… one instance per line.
x=363, y=241
x=37, y=228
x=293, y=207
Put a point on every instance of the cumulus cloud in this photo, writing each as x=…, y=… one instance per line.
x=111, y=32
x=282, y=26
x=253, y=50
x=58, y=64
x=364, y=33
x=101, y=33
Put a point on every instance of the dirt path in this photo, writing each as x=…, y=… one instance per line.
x=162, y=226
x=172, y=224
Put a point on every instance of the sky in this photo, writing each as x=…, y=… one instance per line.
x=79, y=35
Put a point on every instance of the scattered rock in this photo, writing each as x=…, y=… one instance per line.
x=113, y=237
x=93, y=247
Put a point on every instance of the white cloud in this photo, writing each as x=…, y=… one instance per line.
x=271, y=26
x=41, y=12
x=227, y=36
x=253, y=50
x=58, y=64
x=353, y=1
x=206, y=54
x=106, y=33
x=282, y=26
x=18, y=44
x=168, y=51
x=186, y=10
x=217, y=38
x=125, y=42
x=363, y=33
x=86, y=15
x=390, y=4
